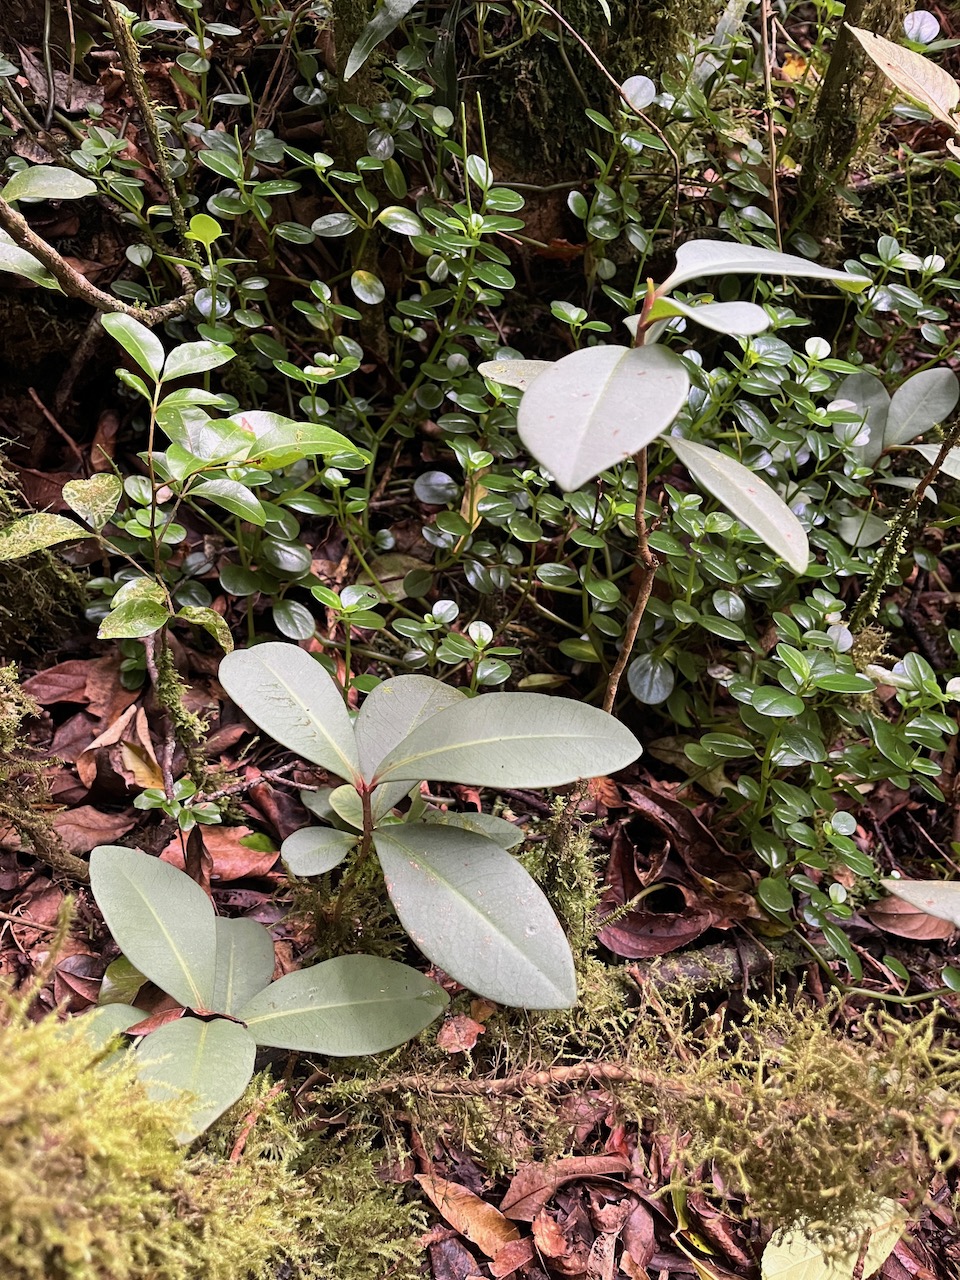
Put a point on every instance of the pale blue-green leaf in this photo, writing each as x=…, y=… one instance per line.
x=598, y=406
x=514, y=373
x=346, y=804
x=313, y=851
x=37, y=532
x=950, y=465
x=245, y=963
x=387, y=18
x=94, y=500
x=651, y=679
x=233, y=497
x=870, y=398
x=741, y=318
x=138, y=342
x=346, y=1007
x=862, y=529
x=922, y=402
x=207, y=1064
x=288, y=694
x=393, y=710
x=698, y=258
x=195, y=357
x=513, y=740
x=105, y=1023
x=47, y=182
x=503, y=833
x=940, y=898
x=473, y=910
x=20, y=263
x=748, y=498
x=160, y=919
x=639, y=91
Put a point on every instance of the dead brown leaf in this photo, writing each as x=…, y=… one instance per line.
x=512, y=1256
x=84, y=827
x=459, y=1034
x=895, y=916
x=533, y=1185
x=229, y=859
x=481, y=1223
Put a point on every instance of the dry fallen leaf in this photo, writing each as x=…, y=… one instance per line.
x=459, y=1034
x=534, y=1184
x=895, y=916
x=480, y=1222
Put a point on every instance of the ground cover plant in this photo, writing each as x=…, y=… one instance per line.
x=498, y=793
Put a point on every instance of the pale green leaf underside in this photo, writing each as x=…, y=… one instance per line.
x=598, y=406
x=289, y=695
x=920, y=79
x=514, y=373
x=951, y=463
x=345, y=1007
x=245, y=963
x=313, y=851
x=747, y=498
x=473, y=910
x=872, y=400
x=922, y=402
x=160, y=919
x=513, y=740
x=940, y=898
x=21, y=263
x=741, y=318
x=393, y=710
x=210, y=1062
x=501, y=832
x=47, y=182
x=797, y=1256
x=699, y=258
x=103, y=1023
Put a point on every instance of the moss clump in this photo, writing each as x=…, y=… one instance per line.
x=40, y=597
x=93, y=1186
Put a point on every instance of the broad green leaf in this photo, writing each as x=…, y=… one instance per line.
x=930, y=452
x=36, y=533
x=404, y=221
x=105, y=1022
x=598, y=406
x=47, y=182
x=133, y=620
x=514, y=373
x=233, y=497
x=346, y=804
x=748, y=498
x=210, y=621
x=501, y=832
x=940, y=898
x=387, y=18
x=94, y=500
x=512, y=740
x=21, y=263
x=204, y=437
x=922, y=402
x=871, y=398
x=210, y=1062
x=473, y=910
x=393, y=710
x=195, y=357
x=160, y=919
x=142, y=588
x=862, y=529
x=121, y=982
x=914, y=75
x=280, y=440
x=313, y=851
x=742, y=318
x=245, y=963
x=345, y=1007
x=138, y=342
x=368, y=287
x=796, y=1256
x=289, y=695
x=698, y=258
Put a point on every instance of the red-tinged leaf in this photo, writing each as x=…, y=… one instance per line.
x=639, y=1237
x=512, y=1256
x=459, y=1034
x=895, y=916
x=534, y=1184
x=156, y=1020
x=451, y=1260
x=481, y=1223
x=564, y=1246
x=66, y=682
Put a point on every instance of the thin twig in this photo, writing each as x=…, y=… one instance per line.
x=29, y=924
x=769, y=104
x=647, y=564
x=64, y=435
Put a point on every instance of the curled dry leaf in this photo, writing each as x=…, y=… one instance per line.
x=900, y=918
x=534, y=1185
x=481, y=1223
x=459, y=1034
